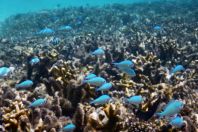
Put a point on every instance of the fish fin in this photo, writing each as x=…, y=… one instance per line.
x=30, y=105
x=115, y=64
x=112, y=101
x=133, y=73
x=11, y=69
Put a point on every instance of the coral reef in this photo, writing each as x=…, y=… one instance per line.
x=124, y=32
x=16, y=117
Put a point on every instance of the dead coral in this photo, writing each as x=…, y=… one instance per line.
x=16, y=117
x=62, y=72
x=108, y=118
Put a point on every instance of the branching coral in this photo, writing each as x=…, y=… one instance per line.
x=16, y=117
x=62, y=72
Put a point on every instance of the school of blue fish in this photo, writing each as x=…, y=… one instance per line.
x=172, y=109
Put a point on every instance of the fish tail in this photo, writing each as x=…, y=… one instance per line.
x=91, y=53
x=133, y=73
x=160, y=115
x=17, y=86
x=30, y=106
x=84, y=81
x=125, y=100
x=97, y=89
x=91, y=102
x=115, y=64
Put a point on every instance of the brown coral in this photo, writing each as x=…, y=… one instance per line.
x=16, y=117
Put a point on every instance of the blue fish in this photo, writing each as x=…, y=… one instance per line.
x=135, y=100
x=67, y=27
x=4, y=71
x=124, y=64
x=69, y=127
x=177, y=68
x=177, y=122
x=171, y=109
x=96, y=81
x=38, y=102
x=98, y=51
x=46, y=31
x=105, y=87
x=157, y=27
x=128, y=71
x=24, y=84
x=34, y=61
x=103, y=99
x=90, y=76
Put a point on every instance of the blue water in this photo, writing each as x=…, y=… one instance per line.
x=11, y=7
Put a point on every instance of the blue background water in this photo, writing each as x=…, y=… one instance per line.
x=10, y=7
